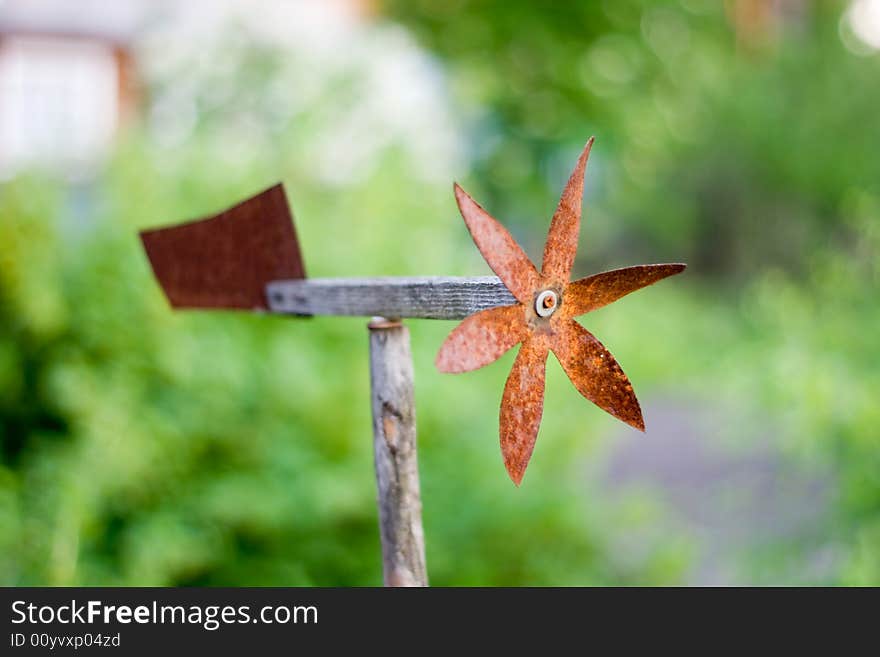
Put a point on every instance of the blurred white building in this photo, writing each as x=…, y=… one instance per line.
x=72, y=72
x=67, y=81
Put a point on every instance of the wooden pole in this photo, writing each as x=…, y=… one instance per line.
x=394, y=444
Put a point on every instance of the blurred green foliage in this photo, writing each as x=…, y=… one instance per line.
x=729, y=145
x=141, y=446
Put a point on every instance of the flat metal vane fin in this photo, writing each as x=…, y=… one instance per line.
x=226, y=260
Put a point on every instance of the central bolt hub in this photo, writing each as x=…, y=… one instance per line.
x=546, y=303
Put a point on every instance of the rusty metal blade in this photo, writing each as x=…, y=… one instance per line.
x=599, y=290
x=522, y=406
x=499, y=249
x=596, y=374
x=482, y=339
x=226, y=260
x=562, y=238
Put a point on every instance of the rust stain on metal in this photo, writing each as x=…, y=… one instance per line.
x=498, y=247
x=482, y=338
x=599, y=290
x=522, y=405
x=562, y=238
x=225, y=261
x=543, y=321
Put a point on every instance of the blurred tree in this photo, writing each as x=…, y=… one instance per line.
x=726, y=135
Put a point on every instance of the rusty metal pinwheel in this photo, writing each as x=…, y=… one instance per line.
x=542, y=320
x=247, y=257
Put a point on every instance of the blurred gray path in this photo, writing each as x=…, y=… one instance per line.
x=728, y=485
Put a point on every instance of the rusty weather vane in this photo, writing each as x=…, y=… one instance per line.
x=248, y=257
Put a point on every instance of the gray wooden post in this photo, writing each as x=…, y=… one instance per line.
x=394, y=445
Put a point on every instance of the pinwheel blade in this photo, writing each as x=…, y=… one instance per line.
x=596, y=374
x=522, y=406
x=599, y=290
x=499, y=249
x=482, y=339
x=562, y=238
x=225, y=261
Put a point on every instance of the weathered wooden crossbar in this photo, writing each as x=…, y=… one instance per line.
x=428, y=297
